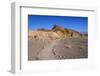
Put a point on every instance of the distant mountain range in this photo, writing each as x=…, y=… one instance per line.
x=56, y=32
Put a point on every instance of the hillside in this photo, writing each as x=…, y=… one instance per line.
x=55, y=33
x=57, y=43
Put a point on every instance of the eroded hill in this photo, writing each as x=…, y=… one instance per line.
x=56, y=32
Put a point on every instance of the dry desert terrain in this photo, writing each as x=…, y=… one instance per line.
x=57, y=43
x=69, y=48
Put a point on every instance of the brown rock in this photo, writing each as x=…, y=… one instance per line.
x=55, y=33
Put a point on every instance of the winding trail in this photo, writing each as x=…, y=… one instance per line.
x=47, y=52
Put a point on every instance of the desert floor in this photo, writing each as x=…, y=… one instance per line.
x=69, y=48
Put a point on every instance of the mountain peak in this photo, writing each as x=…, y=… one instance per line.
x=57, y=27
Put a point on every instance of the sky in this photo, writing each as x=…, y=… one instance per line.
x=71, y=22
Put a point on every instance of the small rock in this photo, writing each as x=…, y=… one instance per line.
x=68, y=46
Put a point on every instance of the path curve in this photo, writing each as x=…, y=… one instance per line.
x=47, y=52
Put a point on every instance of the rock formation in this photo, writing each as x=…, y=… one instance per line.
x=56, y=32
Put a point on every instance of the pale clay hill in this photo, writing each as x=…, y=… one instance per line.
x=56, y=32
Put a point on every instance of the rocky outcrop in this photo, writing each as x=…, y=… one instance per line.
x=72, y=33
x=63, y=32
x=55, y=33
x=43, y=35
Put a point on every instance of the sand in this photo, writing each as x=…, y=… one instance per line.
x=69, y=48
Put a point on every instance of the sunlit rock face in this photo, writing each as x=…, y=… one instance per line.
x=43, y=35
x=56, y=32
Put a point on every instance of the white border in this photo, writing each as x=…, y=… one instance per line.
x=19, y=39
